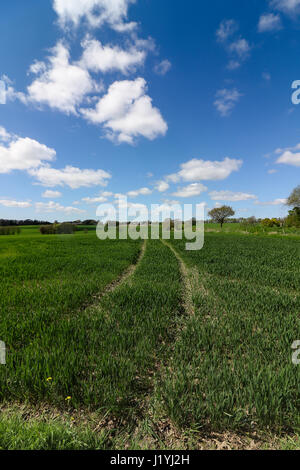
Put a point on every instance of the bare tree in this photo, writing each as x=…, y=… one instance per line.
x=220, y=214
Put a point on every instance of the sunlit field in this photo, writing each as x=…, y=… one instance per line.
x=138, y=354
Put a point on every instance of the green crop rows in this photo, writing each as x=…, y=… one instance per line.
x=136, y=353
x=45, y=284
x=232, y=366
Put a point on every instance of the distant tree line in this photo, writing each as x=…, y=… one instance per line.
x=18, y=223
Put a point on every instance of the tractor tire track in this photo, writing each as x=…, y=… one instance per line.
x=124, y=276
x=189, y=278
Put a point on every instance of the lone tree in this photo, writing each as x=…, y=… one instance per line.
x=294, y=199
x=293, y=219
x=220, y=214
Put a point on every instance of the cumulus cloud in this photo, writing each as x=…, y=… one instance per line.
x=290, y=7
x=134, y=209
x=95, y=13
x=99, y=58
x=139, y=192
x=69, y=176
x=37, y=67
x=51, y=194
x=163, y=67
x=162, y=186
x=226, y=100
x=201, y=170
x=289, y=156
x=231, y=196
x=61, y=84
x=226, y=29
x=52, y=206
x=23, y=154
x=126, y=111
x=18, y=204
x=269, y=22
x=191, y=190
x=8, y=92
x=170, y=202
x=4, y=135
x=276, y=202
x=94, y=200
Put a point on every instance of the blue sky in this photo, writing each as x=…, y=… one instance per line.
x=157, y=100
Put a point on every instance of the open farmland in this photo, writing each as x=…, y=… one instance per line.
x=46, y=283
x=184, y=345
x=232, y=366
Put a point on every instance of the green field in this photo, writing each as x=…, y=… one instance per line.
x=171, y=353
x=257, y=229
x=233, y=365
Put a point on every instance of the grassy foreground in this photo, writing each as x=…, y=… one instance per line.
x=232, y=367
x=133, y=368
x=46, y=284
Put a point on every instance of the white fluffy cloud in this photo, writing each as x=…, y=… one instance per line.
x=4, y=135
x=286, y=6
x=139, y=192
x=290, y=156
x=51, y=194
x=269, y=22
x=127, y=112
x=8, y=92
x=201, y=170
x=231, y=196
x=51, y=206
x=226, y=100
x=18, y=204
x=69, y=176
x=99, y=58
x=94, y=12
x=162, y=186
x=23, y=154
x=191, y=190
x=94, y=200
x=163, y=67
x=276, y=202
x=60, y=84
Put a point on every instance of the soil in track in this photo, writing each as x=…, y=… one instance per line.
x=129, y=331
x=189, y=277
x=124, y=276
x=129, y=336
